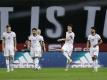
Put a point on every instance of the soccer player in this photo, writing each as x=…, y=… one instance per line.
x=27, y=46
x=42, y=42
x=94, y=40
x=68, y=46
x=36, y=42
x=9, y=47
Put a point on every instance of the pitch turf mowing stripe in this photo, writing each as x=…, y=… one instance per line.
x=54, y=74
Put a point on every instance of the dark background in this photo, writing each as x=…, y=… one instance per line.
x=76, y=16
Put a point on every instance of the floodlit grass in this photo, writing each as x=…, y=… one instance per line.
x=54, y=74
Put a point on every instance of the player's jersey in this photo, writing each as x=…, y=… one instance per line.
x=9, y=38
x=41, y=37
x=94, y=39
x=70, y=38
x=35, y=41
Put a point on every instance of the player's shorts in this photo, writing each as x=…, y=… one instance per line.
x=68, y=49
x=9, y=51
x=36, y=52
x=94, y=51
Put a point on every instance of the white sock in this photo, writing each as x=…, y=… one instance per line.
x=36, y=62
x=96, y=65
x=68, y=64
x=7, y=64
x=11, y=63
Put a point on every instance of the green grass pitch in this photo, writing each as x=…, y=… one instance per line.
x=54, y=74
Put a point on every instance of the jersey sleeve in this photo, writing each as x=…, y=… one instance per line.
x=88, y=38
x=29, y=37
x=3, y=35
x=98, y=36
x=41, y=38
x=14, y=34
x=73, y=35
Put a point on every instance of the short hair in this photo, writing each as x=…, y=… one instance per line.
x=34, y=29
x=39, y=30
x=93, y=28
x=8, y=26
x=70, y=25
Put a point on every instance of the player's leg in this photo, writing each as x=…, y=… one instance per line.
x=36, y=62
x=94, y=56
x=70, y=51
x=96, y=60
x=65, y=52
x=37, y=58
x=7, y=63
x=6, y=54
x=68, y=64
x=32, y=53
x=11, y=58
x=33, y=57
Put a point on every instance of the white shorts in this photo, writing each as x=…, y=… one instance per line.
x=68, y=49
x=9, y=51
x=94, y=51
x=36, y=52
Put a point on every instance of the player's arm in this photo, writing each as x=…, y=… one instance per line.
x=3, y=44
x=15, y=44
x=88, y=44
x=29, y=39
x=62, y=39
x=44, y=48
x=99, y=42
x=65, y=39
x=43, y=45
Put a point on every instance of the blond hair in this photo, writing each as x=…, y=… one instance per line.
x=38, y=31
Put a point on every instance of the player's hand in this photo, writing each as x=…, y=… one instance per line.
x=44, y=50
x=60, y=40
x=87, y=49
x=95, y=45
x=15, y=49
x=3, y=49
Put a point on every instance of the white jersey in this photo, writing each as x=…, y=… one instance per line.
x=9, y=38
x=70, y=38
x=41, y=37
x=94, y=39
x=35, y=41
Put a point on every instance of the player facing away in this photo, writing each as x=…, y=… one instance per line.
x=93, y=42
x=35, y=49
x=42, y=42
x=68, y=46
x=9, y=47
